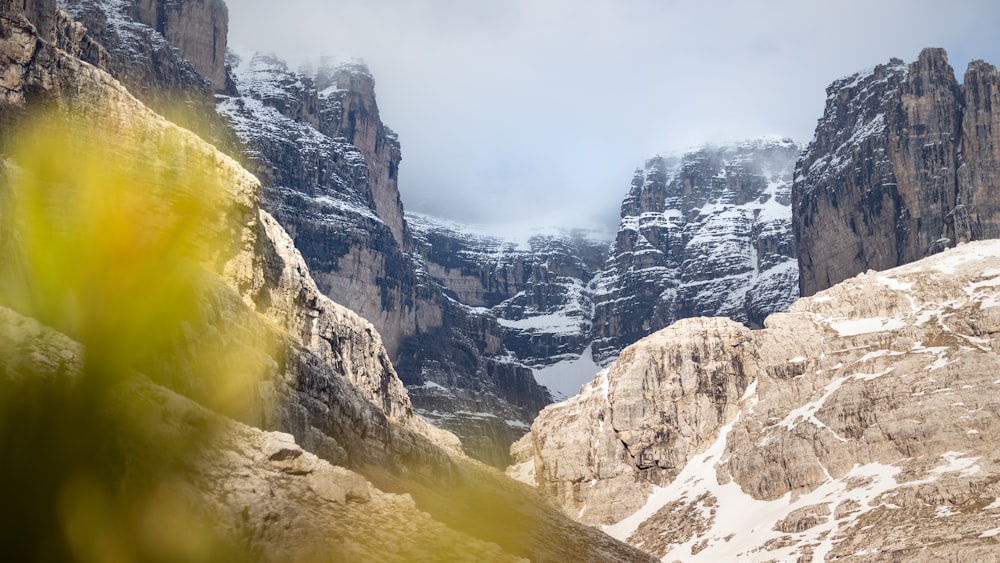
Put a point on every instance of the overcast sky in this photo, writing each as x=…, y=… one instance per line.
x=537, y=112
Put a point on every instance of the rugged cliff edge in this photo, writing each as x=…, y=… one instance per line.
x=330, y=169
x=324, y=375
x=902, y=166
x=862, y=424
x=703, y=233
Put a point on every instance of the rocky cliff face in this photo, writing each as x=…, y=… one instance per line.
x=536, y=287
x=327, y=346
x=704, y=233
x=325, y=377
x=317, y=183
x=197, y=28
x=899, y=169
x=860, y=424
x=330, y=172
x=169, y=54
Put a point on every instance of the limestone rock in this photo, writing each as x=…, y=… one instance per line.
x=198, y=28
x=169, y=54
x=861, y=423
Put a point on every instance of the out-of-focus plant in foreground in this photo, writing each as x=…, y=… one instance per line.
x=101, y=239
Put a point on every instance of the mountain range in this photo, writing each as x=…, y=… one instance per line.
x=860, y=418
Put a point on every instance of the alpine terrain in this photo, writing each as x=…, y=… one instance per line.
x=476, y=323
x=223, y=338
x=858, y=425
x=148, y=301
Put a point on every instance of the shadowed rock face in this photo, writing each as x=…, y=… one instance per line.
x=863, y=420
x=901, y=167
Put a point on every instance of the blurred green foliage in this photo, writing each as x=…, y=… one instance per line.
x=101, y=238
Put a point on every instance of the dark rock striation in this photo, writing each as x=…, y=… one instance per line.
x=902, y=166
x=704, y=233
x=329, y=169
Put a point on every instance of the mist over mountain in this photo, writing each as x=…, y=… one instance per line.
x=217, y=304
x=557, y=101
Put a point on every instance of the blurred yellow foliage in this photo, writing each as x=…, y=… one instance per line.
x=108, y=243
x=102, y=232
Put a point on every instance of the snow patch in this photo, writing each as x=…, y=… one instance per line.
x=565, y=378
x=954, y=462
x=523, y=472
x=854, y=327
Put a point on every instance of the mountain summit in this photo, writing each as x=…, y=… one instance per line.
x=904, y=164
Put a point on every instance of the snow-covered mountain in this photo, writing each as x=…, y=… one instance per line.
x=862, y=423
x=707, y=232
x=536, y=285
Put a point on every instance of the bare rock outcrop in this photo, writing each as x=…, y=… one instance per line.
x=197, y=28
x=861, y=424
x=899, y=169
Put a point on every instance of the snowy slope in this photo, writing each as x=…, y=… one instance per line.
x=861, y=424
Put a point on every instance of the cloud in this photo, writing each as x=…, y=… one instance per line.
x=541, y=109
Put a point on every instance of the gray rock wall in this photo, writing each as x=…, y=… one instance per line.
x=900, y=168
x=705, y=233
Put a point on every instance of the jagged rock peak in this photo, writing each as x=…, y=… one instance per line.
x=900, y=167
x=345, y=74
x=338, y=102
